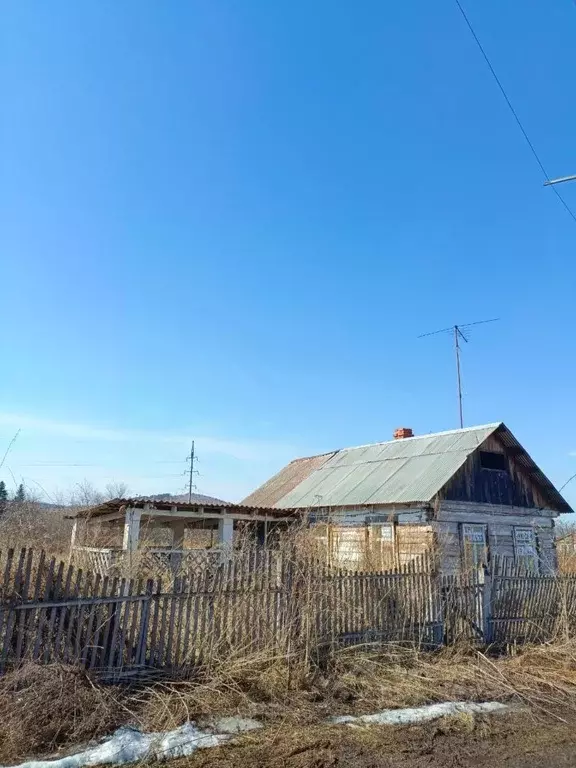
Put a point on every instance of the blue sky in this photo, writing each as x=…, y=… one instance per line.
x=231, y=221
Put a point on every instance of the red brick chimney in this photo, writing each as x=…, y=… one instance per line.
x=403, y=432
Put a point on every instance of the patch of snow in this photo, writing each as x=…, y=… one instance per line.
x=128, y=745
x=420, y=714
x=233, y=725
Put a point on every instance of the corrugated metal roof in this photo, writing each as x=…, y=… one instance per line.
x=285, y=481
x=395, y=472
x=197, y=498
x=412, y=470
x=159, y=504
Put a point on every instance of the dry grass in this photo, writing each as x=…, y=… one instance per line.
x=28, y=522
x=44, y=708
x=512, y=741
x=294, y=707
x=260, y=685
x=541, y=677
x=298, y=690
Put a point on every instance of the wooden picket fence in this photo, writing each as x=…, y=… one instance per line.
x=260, y=600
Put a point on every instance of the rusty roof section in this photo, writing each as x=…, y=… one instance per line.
x=275, y=489
x=115, y=505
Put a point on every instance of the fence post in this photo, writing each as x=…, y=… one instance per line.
x=438, y=602
x=487, y=606
x=144, y=621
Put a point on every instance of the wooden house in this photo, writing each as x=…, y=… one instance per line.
x=474, y=494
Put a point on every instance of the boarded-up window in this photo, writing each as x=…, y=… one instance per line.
x=372, y=547
x=380, y=552
x=412, y=541
x=525, y=549
x=348, y=546
x=474, y=546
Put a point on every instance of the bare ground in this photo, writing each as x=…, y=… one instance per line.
x=514, y=741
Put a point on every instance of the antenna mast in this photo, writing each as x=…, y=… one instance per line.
x=459, y=332
x=457, y=349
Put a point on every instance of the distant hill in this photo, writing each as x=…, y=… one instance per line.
x=197, y=498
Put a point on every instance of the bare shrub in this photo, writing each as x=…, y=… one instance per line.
x=41, y=525
x=29, y=523
x=116, y=489
x=566, y=548
x=84, y=494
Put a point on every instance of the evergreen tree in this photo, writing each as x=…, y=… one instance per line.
x=20, y=493
x=3, y=496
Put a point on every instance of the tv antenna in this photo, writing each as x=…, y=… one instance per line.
x=459, y=332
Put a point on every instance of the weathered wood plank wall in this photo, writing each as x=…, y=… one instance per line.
x=512, y=487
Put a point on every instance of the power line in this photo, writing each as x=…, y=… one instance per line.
x=574, y=475
x=512, y=110
x=59, y=465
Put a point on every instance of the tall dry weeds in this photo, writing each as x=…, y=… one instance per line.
x=49, y=708
x=247, y=661
x=541, y=679
x=44, y=708
x=28, y=524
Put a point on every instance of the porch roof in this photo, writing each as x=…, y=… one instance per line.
x=116, y=508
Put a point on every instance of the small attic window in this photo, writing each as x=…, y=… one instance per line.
x=490, y=460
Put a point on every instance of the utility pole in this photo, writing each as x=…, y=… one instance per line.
x=459, y=333
x=191, y=459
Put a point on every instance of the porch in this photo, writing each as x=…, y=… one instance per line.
x=161, y=536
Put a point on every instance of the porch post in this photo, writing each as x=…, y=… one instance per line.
x=73, y=539
x=262, y=534
x=178, y=532
x=131, y=529
x=225, y=532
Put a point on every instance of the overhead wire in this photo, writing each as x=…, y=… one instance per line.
x=511, y=108
x=58, y=464
x=566, y=483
